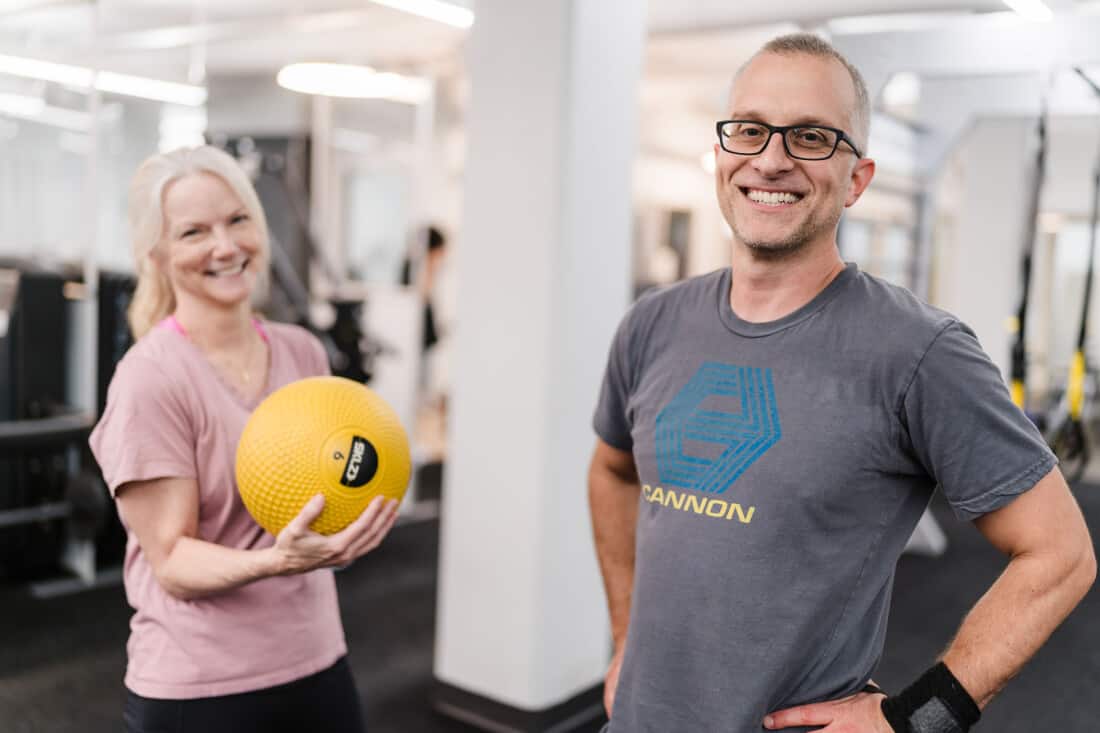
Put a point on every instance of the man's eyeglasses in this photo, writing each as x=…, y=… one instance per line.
x=804, y=142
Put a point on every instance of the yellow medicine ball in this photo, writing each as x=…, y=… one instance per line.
x=325, y=435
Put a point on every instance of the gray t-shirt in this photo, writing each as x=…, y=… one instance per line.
x=784, y=466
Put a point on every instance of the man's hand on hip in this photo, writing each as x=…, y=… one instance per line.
x=860, y=713
x=611, y=680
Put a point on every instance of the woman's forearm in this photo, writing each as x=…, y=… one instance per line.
x=196, y=568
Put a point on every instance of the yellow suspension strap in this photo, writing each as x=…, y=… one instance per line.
x=1075, y=388
x=1070, y=440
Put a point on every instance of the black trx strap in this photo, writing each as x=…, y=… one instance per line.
x=1019, y=347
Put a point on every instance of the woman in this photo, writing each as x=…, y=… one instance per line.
x=233, y=629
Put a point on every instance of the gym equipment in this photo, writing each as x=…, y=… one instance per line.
x=1018, y=373
x=116, y=290
x=321, y=434
x=1067, y=435
x=32, y=355
x=40, y=435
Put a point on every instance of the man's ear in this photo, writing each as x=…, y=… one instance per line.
x=862, y=174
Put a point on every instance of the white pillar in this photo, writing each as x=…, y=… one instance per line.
x=543, y=266
x=979, y=271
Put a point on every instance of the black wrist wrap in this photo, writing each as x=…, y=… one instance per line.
x=935, y=703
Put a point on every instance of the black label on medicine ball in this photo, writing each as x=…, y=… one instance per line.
x=362, y=463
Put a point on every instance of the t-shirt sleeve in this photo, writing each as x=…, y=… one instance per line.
x=964, y=428
x=146, y=431
x=612, y=421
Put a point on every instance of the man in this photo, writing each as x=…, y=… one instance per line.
x=769, y=436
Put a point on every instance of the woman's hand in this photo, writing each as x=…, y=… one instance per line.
x=299, y=549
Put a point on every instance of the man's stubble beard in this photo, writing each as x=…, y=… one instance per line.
x=808, y=231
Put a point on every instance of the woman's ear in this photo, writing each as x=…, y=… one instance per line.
x=156, y=258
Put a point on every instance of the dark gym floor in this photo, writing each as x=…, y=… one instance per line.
x=62, y=660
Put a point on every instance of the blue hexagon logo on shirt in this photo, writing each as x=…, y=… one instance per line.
x=717, y=426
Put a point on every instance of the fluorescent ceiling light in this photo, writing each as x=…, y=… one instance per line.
x=1035, y=10
x=155, y=89
x=357, y=82
x=73, y=76
x=34, y=109
x=437, y=10
x=105, y=81
x=16, y=6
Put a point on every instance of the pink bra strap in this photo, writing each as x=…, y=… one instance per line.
x=172, y=323
x=261, y=330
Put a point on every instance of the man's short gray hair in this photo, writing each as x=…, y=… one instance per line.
x=812, y=45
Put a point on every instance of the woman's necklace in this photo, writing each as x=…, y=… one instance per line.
x=246, y=368
x=231, y=366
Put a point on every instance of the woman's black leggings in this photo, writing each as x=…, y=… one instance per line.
x=325, y=702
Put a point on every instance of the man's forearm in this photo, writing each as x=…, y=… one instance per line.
x=1014, y=618
x=614, y=505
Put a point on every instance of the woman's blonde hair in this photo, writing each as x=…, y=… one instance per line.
x=153, y=298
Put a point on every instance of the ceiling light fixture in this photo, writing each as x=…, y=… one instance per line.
x=443, y=12
x=1035, y=10
x=105, y=81
x=356, y=82
x=161, y=91
x=18, y=6
x=22, y=107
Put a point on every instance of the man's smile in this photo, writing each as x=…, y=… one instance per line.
x=771, y=198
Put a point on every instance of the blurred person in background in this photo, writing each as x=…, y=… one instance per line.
x=434, y=356
x=434, y=256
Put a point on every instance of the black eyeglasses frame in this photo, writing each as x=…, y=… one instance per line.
x=781, y=130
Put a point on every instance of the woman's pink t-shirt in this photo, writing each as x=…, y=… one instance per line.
x=169, y=414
